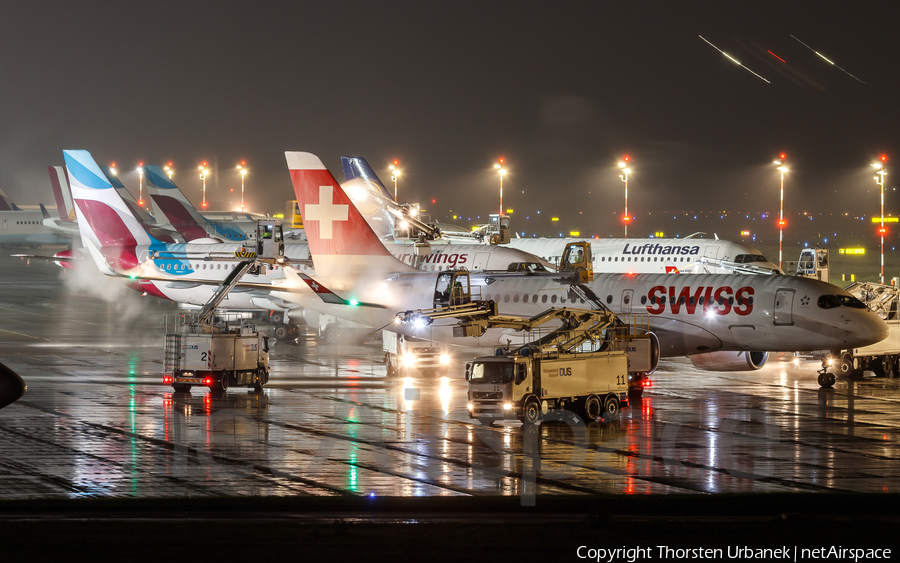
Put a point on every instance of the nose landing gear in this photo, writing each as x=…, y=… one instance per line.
x=827, y=379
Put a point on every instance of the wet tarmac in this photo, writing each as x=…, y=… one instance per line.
x=97, y=421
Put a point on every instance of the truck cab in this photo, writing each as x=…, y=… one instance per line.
x=452, y=288
x=269, y=239
x=577, y=261
x=496, y=385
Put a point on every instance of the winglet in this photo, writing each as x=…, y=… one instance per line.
x=328, y=296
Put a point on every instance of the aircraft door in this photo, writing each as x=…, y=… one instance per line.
x=712, y=251
x=481, y=260
x=627, y=297
x=4, y=226
x=784, y=303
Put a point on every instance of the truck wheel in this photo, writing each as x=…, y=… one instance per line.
x=611, y=407
x=330, y=335
x=887, y=366
x=532, y=411
x=261, y=378
x=592, y=408
x=845, y=366
x=896, y=365
x=282, y=332
x=223, y=382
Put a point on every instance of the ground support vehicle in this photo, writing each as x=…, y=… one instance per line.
x=882, y=358
x=526, y=387
x=408, y=356
x=201, y=351
x=583, y=365
x=216, y=356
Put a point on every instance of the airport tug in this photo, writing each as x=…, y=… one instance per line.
x=201, y=351
x=581, y=366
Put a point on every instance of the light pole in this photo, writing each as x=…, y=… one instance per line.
x=169, y=170
x=141, y=184
x=502, y=172
x=879, y=179
x=781, y=168
x=112, y=168
x=203, y=173
x=395, y=173
x=624, y=177
x=242, y=167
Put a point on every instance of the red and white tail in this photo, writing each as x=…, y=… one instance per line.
x=341, y=243
x=672, y=269
x=59, y=181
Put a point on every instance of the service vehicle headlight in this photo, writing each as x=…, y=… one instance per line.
x=445, y=359
x=507, y=406
x=471, y=406
x=408, y=360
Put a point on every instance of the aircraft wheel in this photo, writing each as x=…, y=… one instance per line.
x=826, y=379
x=282, y=332
x=532, y=412
x=611, y=407
x=330, y=335
x=592, y=408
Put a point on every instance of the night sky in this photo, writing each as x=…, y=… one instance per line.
x=559, y=89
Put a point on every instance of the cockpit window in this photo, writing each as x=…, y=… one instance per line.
x=832, y=301
x=492, y=372
x=748, y=258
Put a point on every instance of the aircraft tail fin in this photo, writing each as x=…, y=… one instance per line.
x=174, y=205
x=59, y=181
x=357, y=167
x=7, y=204
x=105, y=222
x=44, y=213
x=342, y=244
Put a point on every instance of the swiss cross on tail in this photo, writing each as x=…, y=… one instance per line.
x=334, y=227
x=329, y=296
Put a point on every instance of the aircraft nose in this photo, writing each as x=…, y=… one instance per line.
x=12, y=387
x=872, y=329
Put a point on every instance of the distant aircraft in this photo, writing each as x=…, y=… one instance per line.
x=730, y=321
x=634, y=255
x=19, y=227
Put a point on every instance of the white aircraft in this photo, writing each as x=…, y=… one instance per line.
x=121, y=245
x=724, y=321
x=636, y=255
x=19, y=227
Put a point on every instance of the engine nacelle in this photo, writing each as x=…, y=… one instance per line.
x=730, y=361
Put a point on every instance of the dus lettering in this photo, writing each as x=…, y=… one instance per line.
x=565, y=371
x=700, y=301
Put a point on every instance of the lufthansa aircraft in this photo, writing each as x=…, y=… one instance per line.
x=636, y=255
x=730, y=320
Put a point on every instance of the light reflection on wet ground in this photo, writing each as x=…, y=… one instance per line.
x=97, y=421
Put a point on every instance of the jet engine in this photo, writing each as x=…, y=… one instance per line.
x=730, y=361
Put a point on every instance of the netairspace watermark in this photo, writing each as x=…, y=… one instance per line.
x=232, y=442
x=783, y=553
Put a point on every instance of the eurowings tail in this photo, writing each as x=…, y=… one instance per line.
x=174, y=206
x=108, y=228
x=342, y=244
x=59, y=181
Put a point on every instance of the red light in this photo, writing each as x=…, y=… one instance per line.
x=501, y=161
x=433, y=201
x=243, y=163
x=782, y=156
x=626, y=219
x=646, y=382
x=882, y=231
x=204, y=163
x=777, y=57
x=232, y=189
x=884, y=158
x=140, y=163
x=113, y=165
x=204, y=204
x=170, y=164
x=627, y=158
x=396, y=162
x=141, y=203
x=782, y=223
